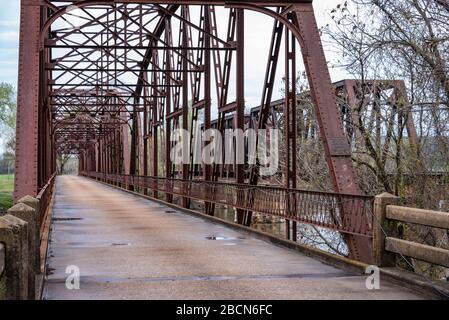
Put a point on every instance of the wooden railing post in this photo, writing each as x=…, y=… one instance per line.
x=380, y=256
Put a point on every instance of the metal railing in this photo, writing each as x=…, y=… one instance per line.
x=44, y=198
x=349, y=214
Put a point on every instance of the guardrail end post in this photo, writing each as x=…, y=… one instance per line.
x=381, y=257
x=35, y=204
x=30, y=215
x=14, y=235
x=30, y=201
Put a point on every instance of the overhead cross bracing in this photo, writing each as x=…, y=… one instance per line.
x=111, y=80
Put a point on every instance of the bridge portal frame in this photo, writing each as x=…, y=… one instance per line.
x=36, y=140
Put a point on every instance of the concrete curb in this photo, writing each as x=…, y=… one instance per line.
x=44, y=243
x=433, y=289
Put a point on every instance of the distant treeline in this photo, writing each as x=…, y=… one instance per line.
x=7, y=166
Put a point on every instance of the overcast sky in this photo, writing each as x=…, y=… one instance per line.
x=9, y=39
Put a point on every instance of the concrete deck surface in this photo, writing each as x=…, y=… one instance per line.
x=127, y=247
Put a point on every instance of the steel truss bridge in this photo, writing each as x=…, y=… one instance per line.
x=109, y=81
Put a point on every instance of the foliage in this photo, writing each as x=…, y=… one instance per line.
x=400, y=40
x=8, y=109
x=390, y=40
x=6, y=189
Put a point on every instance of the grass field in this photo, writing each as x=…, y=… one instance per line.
x=6, y=189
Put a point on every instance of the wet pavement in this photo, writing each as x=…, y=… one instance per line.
x=127, y=247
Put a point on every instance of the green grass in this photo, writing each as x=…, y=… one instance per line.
x=6, y=201
x=6, y=189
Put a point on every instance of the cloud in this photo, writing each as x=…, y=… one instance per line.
x=9, y=24
x=9, y=36
x=9, y=41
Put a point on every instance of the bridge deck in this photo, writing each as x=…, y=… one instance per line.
x=128, y=247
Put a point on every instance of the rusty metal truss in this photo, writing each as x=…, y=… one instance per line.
x=109, y=81
x=355, y=99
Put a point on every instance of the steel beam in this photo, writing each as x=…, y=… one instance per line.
x=336, y=145
x=26, y=177
x=240, y=96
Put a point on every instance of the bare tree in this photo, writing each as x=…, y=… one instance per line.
x=399, y=40
x=409, y=40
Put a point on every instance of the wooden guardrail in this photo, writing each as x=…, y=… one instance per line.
x=437, y=219
x=386, y=209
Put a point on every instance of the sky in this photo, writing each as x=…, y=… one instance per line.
x=9, y=39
